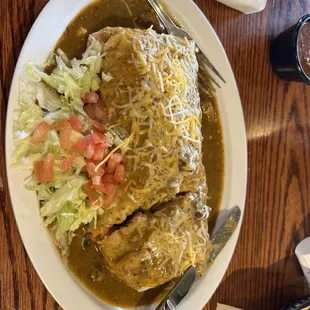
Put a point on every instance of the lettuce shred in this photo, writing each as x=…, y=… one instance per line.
x=52, y=97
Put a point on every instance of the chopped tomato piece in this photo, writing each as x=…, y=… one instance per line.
x=47, y=172
x=100, y=172
x=40, y=132
x=81, y=145
x=111, y=191
x=65, y=138
x=100, y=111
x=100, y=188
x=96, y=179
x=76, y=123
x=115, y=160
x=119, y=175
x=67, y=163
x=91, y=169
x=100, y=153
x=97, y=125
x=96, y=162
x=109, y=178
x=90, y=191
x=90, y=150
x=90, y=109
x=91, y=97
x=37, y=166
x=100, y=138
x=61, y=125
x=109, y=188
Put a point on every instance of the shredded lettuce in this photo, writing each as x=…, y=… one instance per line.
x=65, y=209
x=48, y=98
x=68, y=193
x=55, y=116
x=51, y=142
x=30, y=114
x=24, y=149
x=26, y=163
x=71, y=80
x=53, y=97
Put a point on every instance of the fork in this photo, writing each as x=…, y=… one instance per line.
x=173, y=29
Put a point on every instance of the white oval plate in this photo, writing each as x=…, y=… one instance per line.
x=65, y=289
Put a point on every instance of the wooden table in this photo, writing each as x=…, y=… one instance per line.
x=264, y=273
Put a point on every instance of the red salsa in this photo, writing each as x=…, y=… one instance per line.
x=304, y=48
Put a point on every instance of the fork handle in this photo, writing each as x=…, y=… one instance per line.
x=173, y=29
x=164, y=17
x=205, y=59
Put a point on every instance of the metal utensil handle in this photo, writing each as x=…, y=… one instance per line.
x=209, y=64
x=179, y=291
x=173, y=29
x=221, y=237
x=164, y=17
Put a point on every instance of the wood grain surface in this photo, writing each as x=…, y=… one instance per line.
x=264, y=273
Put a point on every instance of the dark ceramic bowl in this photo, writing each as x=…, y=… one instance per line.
x=284, y=56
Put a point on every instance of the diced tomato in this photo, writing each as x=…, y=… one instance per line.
x=47, y=172
x=91, y=97
x=90, y=150
x=115, y=160
x=37, y=165
x=65, y=138
x=106, y=188
x=109, y=178
x=100, y=138
x=119, y=175
x=40, y=132
x=100, y=153
x=67, y=163
x=100, y=110
x=111, y=191
x=97, y=125
x=61, y=125
x=81, y=145
x=100, y=188
x=109, y=188
x=100, y=172
x=76, y=123
x=90, y=191
x=91, y=169
x=96, y=179
x=90, y=109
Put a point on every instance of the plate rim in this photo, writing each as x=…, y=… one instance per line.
x=200, y=302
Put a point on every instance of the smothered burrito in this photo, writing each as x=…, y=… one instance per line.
x=152, y=103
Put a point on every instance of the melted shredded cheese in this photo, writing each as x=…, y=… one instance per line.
x=178, y=241
x=166, y=103
x=164, y=119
